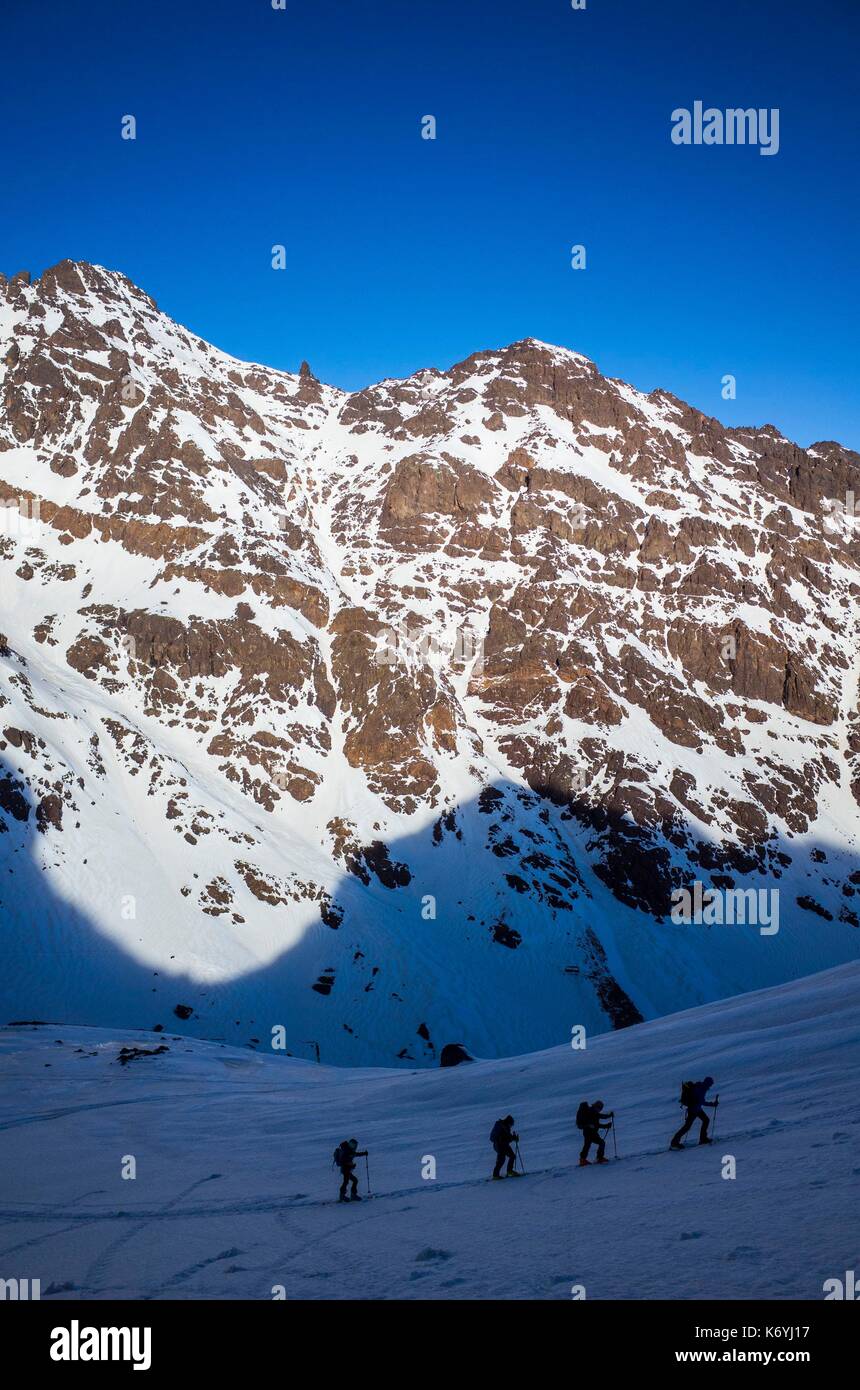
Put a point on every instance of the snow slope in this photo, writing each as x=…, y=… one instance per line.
x=233, y=1194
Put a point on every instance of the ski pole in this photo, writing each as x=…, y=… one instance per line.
x=520, y=1157
x=367, y=1173
x=614, y=1140
x=714, y=1130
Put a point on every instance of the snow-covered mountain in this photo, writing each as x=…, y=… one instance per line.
x=395, y=717
x=233, y=1193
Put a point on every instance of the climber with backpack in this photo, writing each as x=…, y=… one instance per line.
x=503, y=1138
x=693, y=1100
x=344, y=1158
x=590, y=1119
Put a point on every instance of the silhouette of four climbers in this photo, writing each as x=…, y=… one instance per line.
x=590, y=1119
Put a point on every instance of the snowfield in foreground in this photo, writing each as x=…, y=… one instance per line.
x=234, y=1193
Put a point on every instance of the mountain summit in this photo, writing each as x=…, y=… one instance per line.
x=394, y=718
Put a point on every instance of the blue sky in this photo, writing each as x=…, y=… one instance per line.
x=301, y=127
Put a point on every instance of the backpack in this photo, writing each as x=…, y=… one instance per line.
x=498, y=1134
x=688, y=1094
x=341, y=1153
x=583, y=1115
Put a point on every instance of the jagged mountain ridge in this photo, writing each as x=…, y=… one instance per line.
x=292, y=669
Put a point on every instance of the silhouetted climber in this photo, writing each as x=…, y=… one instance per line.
x=344, y=1156
x=693, y=1099
x=591, y=1120
x=503, y=1138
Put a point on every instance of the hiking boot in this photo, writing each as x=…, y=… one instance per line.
x=497, y=1177
x=675, y=1145
x=585, y=1163
x=706, y=1141
x=355, y=1197
x=603, y=1160
x=514, y=1174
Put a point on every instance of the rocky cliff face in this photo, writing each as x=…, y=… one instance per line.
x=395, y=717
